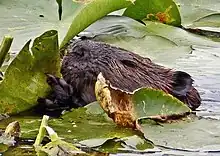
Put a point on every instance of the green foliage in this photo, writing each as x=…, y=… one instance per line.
x=151, y=102
x=164, y=11
x=192, y=11
x=91, y=12
x=24, y=20
x=4, y=48
x=24, y=80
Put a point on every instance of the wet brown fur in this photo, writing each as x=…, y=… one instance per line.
x=125, y=70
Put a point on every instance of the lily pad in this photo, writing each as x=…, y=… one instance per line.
x=24, y=80
x=151, y=102
x=193, y=10
x=202, y=15
x=164, y=11
x=85, y=124
x=194, y=135
x=25, y=20
x=114, y=29
x=114, y=145
x=125, y=108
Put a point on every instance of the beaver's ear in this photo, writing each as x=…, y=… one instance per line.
x=182, y=83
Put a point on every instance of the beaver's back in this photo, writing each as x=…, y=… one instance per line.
x=125, y=70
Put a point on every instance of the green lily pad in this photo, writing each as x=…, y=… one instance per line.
x=202, y=15
x=164, y=11
x=194, y=135
x=114, y=145
x=114, y=29
x=85, y=124
x=151, y=102
x=27, y=19
x=24, y=80
x=193, y=10
x=126, y=108
x=211, y=22
x=23, y=150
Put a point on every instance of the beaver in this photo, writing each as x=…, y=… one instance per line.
x=126, y=70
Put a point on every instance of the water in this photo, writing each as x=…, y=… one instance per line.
x=204, y=66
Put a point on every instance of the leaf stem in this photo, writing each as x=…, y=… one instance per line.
x=42, y=131
x=4, y=48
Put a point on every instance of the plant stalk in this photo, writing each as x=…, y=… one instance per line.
x=4, y=48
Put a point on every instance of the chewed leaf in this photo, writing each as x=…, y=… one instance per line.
x=126, y=108
x=155, y=10
x=117, y=104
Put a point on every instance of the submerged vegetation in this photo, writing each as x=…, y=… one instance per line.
x=153, y=121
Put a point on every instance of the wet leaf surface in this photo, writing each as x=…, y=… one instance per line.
x=24, y=80
x=152, y=102
x=192, y=53
x=202, y=15
x=81, y=20
x=126, y=108
x=194, y=134
x=27, y=20
x=154, y=10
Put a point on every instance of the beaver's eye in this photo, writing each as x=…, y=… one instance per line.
x=129, y=63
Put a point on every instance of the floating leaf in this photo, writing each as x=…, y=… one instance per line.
x=164, y=11
x=193, y=10
x=124, y=32
x=189, y=135
x=113, y=145
x=91, y=117
x=201, y=17
x=27, y=19
x=152, y=102
x=126, y=108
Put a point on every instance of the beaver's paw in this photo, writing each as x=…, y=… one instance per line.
x=61, y=96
